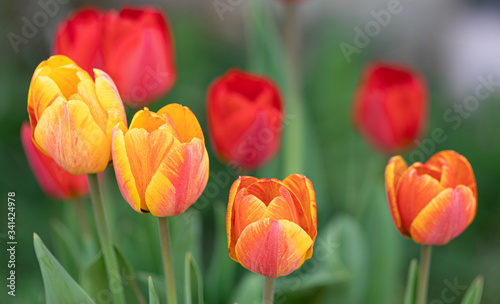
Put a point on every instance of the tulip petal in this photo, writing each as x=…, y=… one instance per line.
x=446, y=217
x=179, y=181
x=273, y=248
x=68, y=133
x=303, y=189
x=247, y=210
x=240, y=183
x=414, y=193
x=184, y=120
x=459, y=170
x=146, y=151
x=393, y=175
x=283, y=208
x=265, y=189
x=123, y=170
x=110, y=100
x=43, y=92
x=87, y=94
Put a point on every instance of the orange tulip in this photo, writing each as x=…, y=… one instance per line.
x=431, y=203
x=161, y=162
x=271, y=224
x=72, y=115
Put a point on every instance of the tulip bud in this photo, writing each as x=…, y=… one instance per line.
x=134, y=45
x=432, y=203
x=72, y=115
x=56, y=182
x=245, y=116
x=161, y=162
x=271, y=224
x=390, y=107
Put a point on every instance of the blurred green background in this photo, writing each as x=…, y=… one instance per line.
x=359, y=256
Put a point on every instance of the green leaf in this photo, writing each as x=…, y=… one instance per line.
x=190, y=265
x=58, y=284
x=249, y=290
x=475, y=292
x=153, y=296
x=351, y=252
x=222, y=268
x=94, y=280
x=411, y=284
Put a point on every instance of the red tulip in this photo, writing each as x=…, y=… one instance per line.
x=134, y=46
x=56, y=182
x=390, y=107
x=432, y=203
x=245, y=113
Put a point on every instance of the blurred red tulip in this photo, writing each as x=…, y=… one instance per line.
x=432, y=203
x=245, y=115
x=390, y=107
x=134, y=46
x=56, y=182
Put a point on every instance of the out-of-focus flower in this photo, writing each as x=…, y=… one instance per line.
x=245, y=115
x=161, y=162
x=271, y=224
x=72, y=116
x=134, y=46
x=390, y=107
x=56, y=182
x=431, y=203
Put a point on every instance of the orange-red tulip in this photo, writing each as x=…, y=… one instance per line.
x=161, y=162
x=432, y=203
x=271, y=224
x=56, y=182
x=390, y=107
x=72, y=115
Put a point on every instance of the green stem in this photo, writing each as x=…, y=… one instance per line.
x=294, y=132
x=268, y=291
x=114, y=277
x=166, y=253
x=423, y=274
x=83, y=222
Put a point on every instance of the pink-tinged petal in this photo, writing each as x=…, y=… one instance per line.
x=87, y=94
x=273, y=248
x=394, y=172
x=69, y=134
x=184, y=120
x=145, y=152
x=460, y=170
x=240, y=183
x=265, y=189
x=110, y=100
x=123, y=170
x=56, y=182
x=179, y=181
x=303, y=189
x=247, y=210
x=43, y=92
x=414, y=194
x=445, y=217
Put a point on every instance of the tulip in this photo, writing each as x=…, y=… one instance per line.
x=271, y=224
x=390, y=107
x=72, y=116
x=56, y=182
x=245, y=113
x=134, y=45
x=432, y=203
x=161, y=162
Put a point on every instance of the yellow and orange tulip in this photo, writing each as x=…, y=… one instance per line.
x=432, y=203
x=271, y=224
x=161, y=162
x=72, y=115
